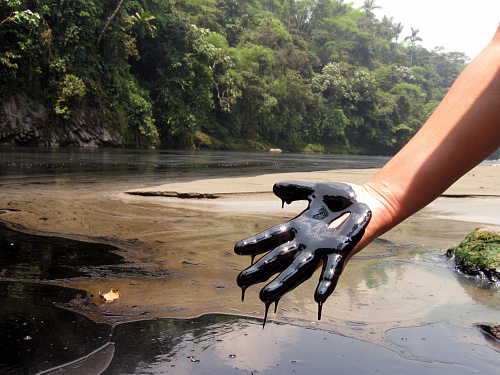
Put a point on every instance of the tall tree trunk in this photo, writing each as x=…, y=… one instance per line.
x=109, y=20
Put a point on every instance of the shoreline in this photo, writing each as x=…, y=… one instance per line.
x=473, y=198
x=181, y=254
x=189, y=243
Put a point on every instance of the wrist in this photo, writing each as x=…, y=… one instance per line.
x=385, y=208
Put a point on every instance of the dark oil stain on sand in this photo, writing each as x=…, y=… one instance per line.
x=39, y=335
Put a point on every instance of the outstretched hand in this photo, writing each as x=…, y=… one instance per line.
x=326, y=231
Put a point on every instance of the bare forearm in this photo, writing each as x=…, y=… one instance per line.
x=463, y=131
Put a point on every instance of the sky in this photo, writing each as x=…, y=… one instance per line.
x=457, y=25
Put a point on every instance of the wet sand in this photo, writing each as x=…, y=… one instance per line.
x=472, y=198
x=185, y=247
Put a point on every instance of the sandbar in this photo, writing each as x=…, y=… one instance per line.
x=182, y=236
x=474, y=197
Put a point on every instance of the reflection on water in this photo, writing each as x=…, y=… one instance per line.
x=39, y=333
x=36, y=335
x=24, y=256
x=188, y=269
x=218, y=344
x=95, y=163
x=98, y=163
x=435, y=343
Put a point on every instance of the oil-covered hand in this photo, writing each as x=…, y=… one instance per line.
x=295, y=249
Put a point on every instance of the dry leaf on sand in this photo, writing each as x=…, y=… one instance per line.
x=110, y=296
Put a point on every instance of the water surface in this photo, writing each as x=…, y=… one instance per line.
x=180, y=309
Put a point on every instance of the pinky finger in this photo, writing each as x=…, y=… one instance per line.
x=330, y=274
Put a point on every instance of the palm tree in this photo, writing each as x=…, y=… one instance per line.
x=397, y=29
x=386, y=27
x=413, y=38
x=369, y=6
x=141, y=22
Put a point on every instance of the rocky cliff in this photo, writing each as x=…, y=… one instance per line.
x=25, y=123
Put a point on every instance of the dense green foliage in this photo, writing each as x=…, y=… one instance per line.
x=308, y=74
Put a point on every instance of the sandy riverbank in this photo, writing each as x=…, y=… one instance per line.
x=472, y=198
x=185, y=248
x=483, y=180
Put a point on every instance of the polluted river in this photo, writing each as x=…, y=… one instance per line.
x=158, y=229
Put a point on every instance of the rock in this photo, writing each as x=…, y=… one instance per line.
x=479, y=254
x=492, y=330
x=23, y=122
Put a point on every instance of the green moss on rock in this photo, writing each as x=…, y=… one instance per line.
x=479, y=253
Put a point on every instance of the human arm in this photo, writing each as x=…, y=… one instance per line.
x=463, y=131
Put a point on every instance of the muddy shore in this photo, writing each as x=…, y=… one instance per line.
x=185, y=248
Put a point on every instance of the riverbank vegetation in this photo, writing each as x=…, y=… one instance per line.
x=316, y=75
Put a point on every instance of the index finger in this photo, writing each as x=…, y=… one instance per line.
x=290, y=191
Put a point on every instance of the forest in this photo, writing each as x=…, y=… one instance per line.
x=299, y=75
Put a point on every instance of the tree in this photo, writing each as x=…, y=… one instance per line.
x=369, y=6
x=109, y=20
x=386, y=28
x=413, y=38
x=265, y=72
x=398, y=29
